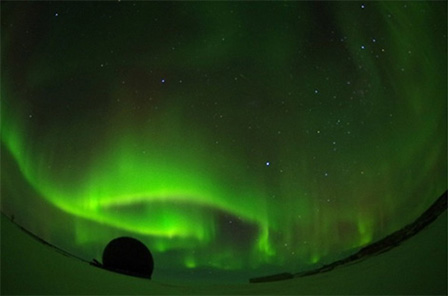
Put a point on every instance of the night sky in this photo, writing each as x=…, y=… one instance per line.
x=253, y=137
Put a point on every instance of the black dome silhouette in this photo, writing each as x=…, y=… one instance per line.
x=128, y=255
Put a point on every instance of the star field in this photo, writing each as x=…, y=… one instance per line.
x=231, y=136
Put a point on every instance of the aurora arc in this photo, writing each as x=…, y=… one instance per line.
x=156, y=172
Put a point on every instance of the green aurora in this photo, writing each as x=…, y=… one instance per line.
x=228, y=136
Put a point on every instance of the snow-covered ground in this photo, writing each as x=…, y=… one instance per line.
x=418, y=266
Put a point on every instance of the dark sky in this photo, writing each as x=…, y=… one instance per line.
x=228, y=136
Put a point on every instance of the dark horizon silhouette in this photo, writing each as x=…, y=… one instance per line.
x=129, y=256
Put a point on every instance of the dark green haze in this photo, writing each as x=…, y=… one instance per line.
x=237, y=137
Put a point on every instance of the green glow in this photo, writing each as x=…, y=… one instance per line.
x=190, y=262
x=270, y=143
x=315, y=258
